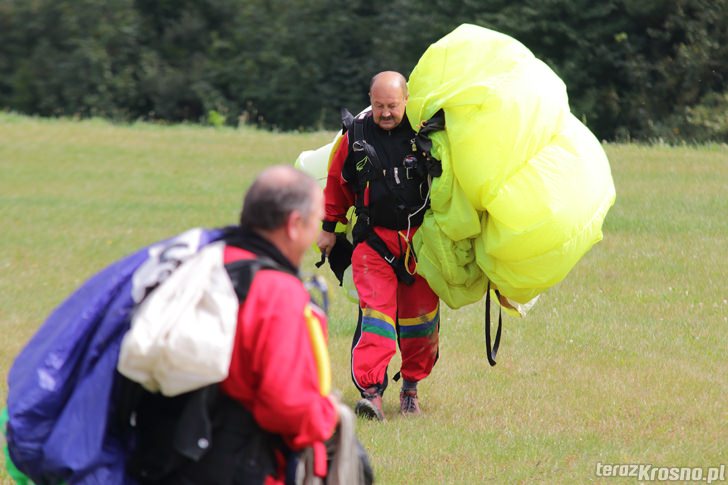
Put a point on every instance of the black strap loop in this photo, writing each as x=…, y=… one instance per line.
x=492, y=350
x=347, y=119
x=397, y=264
x=424, y=144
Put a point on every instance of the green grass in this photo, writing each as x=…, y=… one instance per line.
x=625, y=361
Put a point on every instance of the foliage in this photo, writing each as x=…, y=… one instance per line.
x=635, y=69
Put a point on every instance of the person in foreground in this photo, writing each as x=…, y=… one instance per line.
x=274, y=375
x=378, y=170
x=200, y=359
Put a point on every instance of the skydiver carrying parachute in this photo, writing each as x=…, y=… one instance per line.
x=520, y=197
x=378, y=169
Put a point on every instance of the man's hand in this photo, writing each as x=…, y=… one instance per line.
x=326, y=241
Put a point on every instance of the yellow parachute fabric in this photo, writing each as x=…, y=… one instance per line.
x=525, y=186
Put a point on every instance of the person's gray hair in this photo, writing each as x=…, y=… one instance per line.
x=274, y=195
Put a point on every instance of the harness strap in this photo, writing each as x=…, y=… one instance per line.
x=359, y=144
x=409, y=252
x=347, y=119
x=435, y=123
x=492, y=350
x=423, y=143
x=242, y=271
x=397, y=265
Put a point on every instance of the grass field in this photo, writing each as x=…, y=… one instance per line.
x=625, y=361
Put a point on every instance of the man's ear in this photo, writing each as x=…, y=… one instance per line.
x=293, y=225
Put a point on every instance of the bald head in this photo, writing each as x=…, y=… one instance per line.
x=391, y=79
x=388, y=96
x=274, y=195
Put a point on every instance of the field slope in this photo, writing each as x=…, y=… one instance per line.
x=624, y=362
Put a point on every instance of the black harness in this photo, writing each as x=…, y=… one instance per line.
x=202, y=436
x=367, y=163
x=399, y=185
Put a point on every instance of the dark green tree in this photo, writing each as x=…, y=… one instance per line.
x=634, y=69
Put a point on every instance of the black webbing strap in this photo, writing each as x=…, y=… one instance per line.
x=397, y=264
x=360, y=144
x=435, y=123
x=347, y=119
x=242, y=271
x=424, y=144
x=492, y=350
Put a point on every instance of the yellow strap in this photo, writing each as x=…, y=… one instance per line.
x=407, y=254
x=320, y=351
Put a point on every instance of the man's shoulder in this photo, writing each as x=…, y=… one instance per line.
x=279, y=285
x=276, y=292
x=269, y=274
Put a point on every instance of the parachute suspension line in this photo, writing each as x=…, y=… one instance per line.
x=422, y=207
x=406, y=236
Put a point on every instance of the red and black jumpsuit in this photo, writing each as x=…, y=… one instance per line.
x=391, y=312
x=275, y=367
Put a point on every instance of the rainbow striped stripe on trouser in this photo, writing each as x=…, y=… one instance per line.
x=390, y=313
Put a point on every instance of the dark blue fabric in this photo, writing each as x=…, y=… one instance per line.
x=60, y=386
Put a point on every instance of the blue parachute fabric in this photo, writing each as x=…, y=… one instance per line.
x=60, y=385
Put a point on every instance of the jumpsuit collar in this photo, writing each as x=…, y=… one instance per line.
x=260, y=246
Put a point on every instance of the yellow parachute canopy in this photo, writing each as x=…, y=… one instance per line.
x=525, y=186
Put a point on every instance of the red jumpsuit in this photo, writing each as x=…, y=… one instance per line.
x=390, y=311
x=274, y=367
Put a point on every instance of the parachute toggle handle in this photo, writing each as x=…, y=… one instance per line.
x=492, y=350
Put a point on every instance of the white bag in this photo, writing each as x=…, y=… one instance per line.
x=182, y=335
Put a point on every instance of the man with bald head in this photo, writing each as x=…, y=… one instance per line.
x=377, y=169
x=275, y=400
x=284, y=206
x=388, y=96
x=277, y=372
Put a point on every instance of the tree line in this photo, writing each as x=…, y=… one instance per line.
x=634, y=69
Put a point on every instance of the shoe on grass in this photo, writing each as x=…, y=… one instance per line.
x=408, y=403
x=370, y=406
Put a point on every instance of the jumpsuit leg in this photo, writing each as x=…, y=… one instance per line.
x=418, y=329
x=375, y=340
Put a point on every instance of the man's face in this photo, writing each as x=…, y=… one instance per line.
x=308, y=228
x=312, y=224
x=388, y=105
